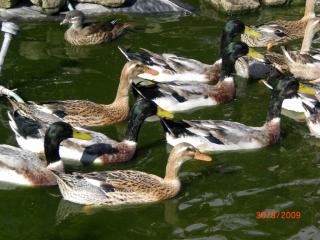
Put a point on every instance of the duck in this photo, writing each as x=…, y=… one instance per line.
x=280, y=31
x=182, y=96
x=80, y=33
x=100, y=149
x=219, y=135
x=302, y=64
x=168, y=67
x=124, y=187
x=305, y=64
x=84, y=113
x=26, y=168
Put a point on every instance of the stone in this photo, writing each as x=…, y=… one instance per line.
x=7, y=3
x=107, y=3
x=236, y=6
x=49, y=6
x=273, y=2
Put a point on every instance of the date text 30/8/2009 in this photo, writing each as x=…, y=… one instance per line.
x=279, y=215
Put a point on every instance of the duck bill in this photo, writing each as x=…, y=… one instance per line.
x=269, y=46
x=306, y=90
x=150, y=71
x=255, y=54
x=65, y=21
x=161, y=113
x=81, y=135
x=251, y=32
x=202, y=157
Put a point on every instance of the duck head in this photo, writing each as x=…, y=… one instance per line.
x=74, y=17
x=141, y=110
x=55, y=134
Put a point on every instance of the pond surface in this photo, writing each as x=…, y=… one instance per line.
x=218, y=200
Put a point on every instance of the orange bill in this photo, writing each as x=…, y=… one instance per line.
x=151, y=71
x=269, y=46
x=202, y=157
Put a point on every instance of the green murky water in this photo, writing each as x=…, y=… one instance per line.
x=218, y=200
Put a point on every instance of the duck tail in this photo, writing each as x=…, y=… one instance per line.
x=12, y=123
x=286, y=54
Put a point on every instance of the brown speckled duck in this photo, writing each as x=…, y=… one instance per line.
x=81, y=33
x=87, y=113
x=127, y=186
x=280, y=31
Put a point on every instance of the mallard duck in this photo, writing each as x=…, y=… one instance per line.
x=182, y=96
x=168, y=67
x=23, y=167
x=81, y=33
x=280, y=31
x=219, y=135
x=87, y=113
x=100, y=150
x=127, y=186
x=304, y=63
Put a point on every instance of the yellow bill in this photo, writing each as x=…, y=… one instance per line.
x=251, y=32
x=81, y=135
x=202, y=157
x=254, y=54
x=164, y=114
x=306, y=90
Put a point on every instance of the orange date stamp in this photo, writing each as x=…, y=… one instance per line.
x=278, y=215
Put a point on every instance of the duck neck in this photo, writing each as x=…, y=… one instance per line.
x=309, y=10
x=227, y=68
x=224, y=41
x=51, y=149
x=77, y=25
x=124, y=84
x=275, y=106
x=134, y=125
x=307, y=39
x=172, y=169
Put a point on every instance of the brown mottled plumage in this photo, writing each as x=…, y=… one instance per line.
x=127, y=186
x=86, y=113
x=90, y=33
x=280, y=31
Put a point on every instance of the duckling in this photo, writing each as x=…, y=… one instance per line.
x=122, y=187
x=80, y=34
x=86, y=113
x=99, y=150
x=182, y=96
x=23, y=167
x=219, y=135
x=168, y=67
x=280, y=31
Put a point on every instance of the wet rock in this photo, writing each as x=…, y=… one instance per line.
x=236, y=6
x=273, y=2
x=107, y=3
x=7, y=3
x=49, y=6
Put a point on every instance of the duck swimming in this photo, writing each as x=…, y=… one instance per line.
x=182, y=96
x=168, y=67
x=29, y=131
x=23, y=167
x=87, y=113
x=219, y=135
x=81, y=33
x=122, y=187
x=280, y=31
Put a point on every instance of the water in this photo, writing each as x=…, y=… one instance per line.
x=218, y=200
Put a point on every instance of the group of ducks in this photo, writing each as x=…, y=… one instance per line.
x=162, y=84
